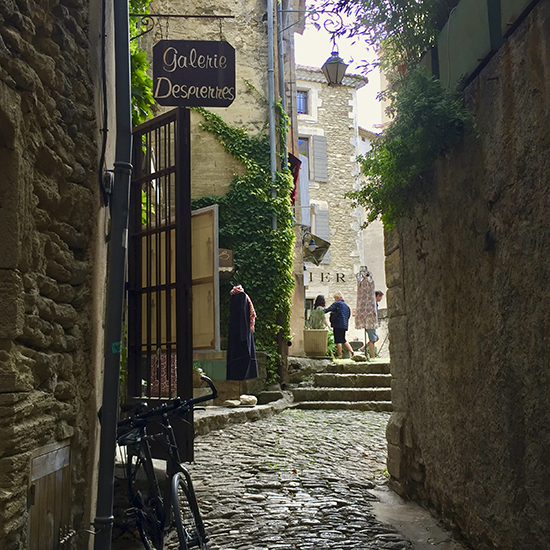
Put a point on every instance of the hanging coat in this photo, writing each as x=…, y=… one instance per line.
x=365, y=310
x=241, y=352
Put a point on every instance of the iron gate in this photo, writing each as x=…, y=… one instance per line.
x=160, y=355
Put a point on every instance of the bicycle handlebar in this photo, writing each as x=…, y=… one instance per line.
x=176, y=404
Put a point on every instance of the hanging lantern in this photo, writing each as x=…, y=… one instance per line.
x=334, y=69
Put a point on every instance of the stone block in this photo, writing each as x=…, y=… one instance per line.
x=396, y=462
x=393, y=269
x=398, y=487
x=13, y=307
x=399, y=349
x=394, y=428
x=396, y=301
x=391, y=241
x=399, y=394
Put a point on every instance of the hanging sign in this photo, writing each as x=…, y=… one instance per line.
x=193, y=73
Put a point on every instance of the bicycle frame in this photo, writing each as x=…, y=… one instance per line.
x=139, y=446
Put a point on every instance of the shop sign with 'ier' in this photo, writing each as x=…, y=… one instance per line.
x=193, y=73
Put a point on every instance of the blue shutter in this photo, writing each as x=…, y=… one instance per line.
x=304, y=190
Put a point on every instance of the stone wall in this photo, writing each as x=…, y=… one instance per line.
x=468, y=298
x=49, y=250
x=337, y=120
x=212, y=169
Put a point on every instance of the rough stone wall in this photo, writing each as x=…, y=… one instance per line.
x=49, y=212
x=469, y=299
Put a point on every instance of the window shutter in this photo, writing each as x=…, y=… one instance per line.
x=322, y=230
x=320, y=171
x=304, y=190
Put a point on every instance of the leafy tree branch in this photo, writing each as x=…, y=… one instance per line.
x=428, y=120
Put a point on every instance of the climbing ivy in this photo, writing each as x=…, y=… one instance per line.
x=427, y=120
x=262, y=255
x=141, y=83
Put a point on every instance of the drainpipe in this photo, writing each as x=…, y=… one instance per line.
x=271, y=101
x=116, y=280
x=282, y=91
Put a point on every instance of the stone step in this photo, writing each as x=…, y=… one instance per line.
x=372, y=367
x=339, y=394
x=335, y=380
x=345, y=405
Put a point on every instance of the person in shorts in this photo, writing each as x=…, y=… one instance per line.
x=371, y=332
x=339, y=319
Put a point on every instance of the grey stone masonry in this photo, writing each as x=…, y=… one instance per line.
x=343, y=385
x=52, y=266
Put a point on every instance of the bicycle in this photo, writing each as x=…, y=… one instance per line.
x=160, y=502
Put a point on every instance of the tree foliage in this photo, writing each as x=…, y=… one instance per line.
x=428, y=120
x=399, y=30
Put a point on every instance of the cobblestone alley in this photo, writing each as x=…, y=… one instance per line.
x=297, y=480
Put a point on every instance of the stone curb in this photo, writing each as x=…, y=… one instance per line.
x=217, y=418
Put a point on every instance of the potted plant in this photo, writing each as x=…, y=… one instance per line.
x=316, y=331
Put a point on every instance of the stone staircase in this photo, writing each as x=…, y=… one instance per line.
x=345, y=385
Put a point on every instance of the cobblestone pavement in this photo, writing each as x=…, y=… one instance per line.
x=298, y=480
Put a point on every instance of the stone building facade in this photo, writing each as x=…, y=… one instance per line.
x=244, y=26
x=468, y=299
x=52, y=268
x=329, y=142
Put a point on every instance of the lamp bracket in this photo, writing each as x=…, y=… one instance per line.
x=148, y=19
x=333, y=25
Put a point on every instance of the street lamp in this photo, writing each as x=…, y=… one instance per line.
x=334, y=68
x=312, y=245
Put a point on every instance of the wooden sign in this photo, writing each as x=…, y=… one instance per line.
x=193, y=73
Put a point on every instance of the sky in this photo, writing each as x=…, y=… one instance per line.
x=314, y=47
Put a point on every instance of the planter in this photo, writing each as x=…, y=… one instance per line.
x=315, y=342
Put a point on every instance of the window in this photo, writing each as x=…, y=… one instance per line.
x=301, y=102
x=315, y=149
x=303, y=146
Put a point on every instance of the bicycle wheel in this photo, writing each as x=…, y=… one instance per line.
x=187, y=517
x=148, y=507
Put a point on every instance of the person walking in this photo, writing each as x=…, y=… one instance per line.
x=371, y=332
x=339, y=318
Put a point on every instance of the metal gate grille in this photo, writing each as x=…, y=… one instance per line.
x=159, y=264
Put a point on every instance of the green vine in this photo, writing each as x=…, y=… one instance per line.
x=262, y=255
x=141, y=83
x=427, y=120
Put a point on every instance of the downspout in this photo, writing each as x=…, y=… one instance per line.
x=282, y=91
x=271, y=101
x=116, y=280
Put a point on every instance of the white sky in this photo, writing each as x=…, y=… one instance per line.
x=314, y=47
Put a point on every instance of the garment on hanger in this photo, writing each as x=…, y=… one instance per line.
x=365, y=309
x=241, y=351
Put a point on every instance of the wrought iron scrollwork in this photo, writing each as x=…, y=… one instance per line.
x=148, y=19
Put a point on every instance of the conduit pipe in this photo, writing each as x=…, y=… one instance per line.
x=116, y=278
x=271, y=101
x=282, y=91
